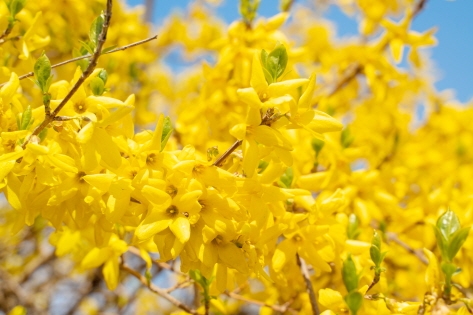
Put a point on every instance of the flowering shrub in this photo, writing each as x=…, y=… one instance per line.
x=290, y=175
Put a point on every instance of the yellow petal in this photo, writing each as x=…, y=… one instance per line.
x=323, y=122
x=306, y=97
x=285, y=87
x=181, y=228
x=285, y=252
x=258, y=80
x=249, y=97
x=111, y=272
x=397, y=49
x=155, y=196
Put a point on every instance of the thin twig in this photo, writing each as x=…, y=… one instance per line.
x=93, y=63
x=227, y=153
x=4, y=40
x=417, y=252
x=277, y=308
x=158, y=290
x=140, y=42
x=135, y=251
x=310, y=289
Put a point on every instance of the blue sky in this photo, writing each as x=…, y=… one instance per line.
x=453, y=56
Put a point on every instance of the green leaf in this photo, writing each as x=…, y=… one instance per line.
x=262, y=165
x=287, y=178
x=108, y=49
x=349, y=275
x=375, y=249
x=42, y=135
x=15, y=6
x=442, y=243
x=42, y=73
x=456, y=242
x=317, y=145
x=264, y=63
x=277, y=61
x=26, y=118
x=354, y=301
x=97, y=86
x=448, y=223
x=248, y=10
x=96, y=29
x=449, y=270
x=167, y=131
x=346, y=138
x=103, y=75
x=353, y=227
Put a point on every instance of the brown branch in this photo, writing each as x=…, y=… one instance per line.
x=157, y=290
x=62, y=63
x=135, y=251
x=34, y=264
x=4, y=40
x=357, y=68
x=7, y=31
x=277, y=308
x=310, y=289
x=227, y=153
x=417, y=252
x=92, y=64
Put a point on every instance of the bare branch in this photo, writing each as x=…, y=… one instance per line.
x=157, y=290
x=62, y=63
x=310, y=289
x=227, y=153
x=277, y=308
x=417, y=252
x=93, y=63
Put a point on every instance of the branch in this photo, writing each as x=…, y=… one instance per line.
x=310, y=290
x=158, y=290
x=417, y=252
x=227, y=153
x=277, y=308
x=140, y=42
x=160, y=265
x=93, y=63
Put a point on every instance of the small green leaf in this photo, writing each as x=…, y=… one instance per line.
x=456, y=242
x=277, y=61
x=449, y=270
x=349, y=275
x=212, y=152
x=108, y=49
x=317, y=145
x=264, y=63
x=442, y=243
x=87, y=47
x=248, y=10
x=354, y=301
x=167, y=131
x=96, y=29
x=287, y=178
x=448, y=223
x=26, y=118
x=375, y=255
x=42, y=73
x=346, y=138
x=97, y=86
x=353, y=227
x=42, y=135
x=15, y=6
x=262, y=165
x=103, y=75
